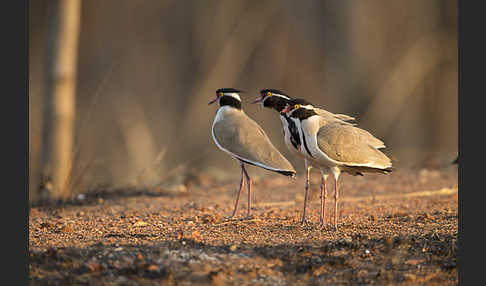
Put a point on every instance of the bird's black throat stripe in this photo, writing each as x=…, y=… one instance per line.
x=231, y=101
x=294, y=134
x=305, y=142
x=302, y=114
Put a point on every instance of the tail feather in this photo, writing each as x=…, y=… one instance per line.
x=287, y=173
x=290, y=173
x=354, y=170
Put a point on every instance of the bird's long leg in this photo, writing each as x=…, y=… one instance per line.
x=248, y=181
x=336, y=196
x=323, y=201
x=239, y=192
x=307, y=179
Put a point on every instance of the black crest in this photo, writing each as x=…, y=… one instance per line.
x=272, y=90
x=229, y=90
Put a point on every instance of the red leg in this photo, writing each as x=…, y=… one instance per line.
x=248, y=180
x=307, y=179
x=239, y=193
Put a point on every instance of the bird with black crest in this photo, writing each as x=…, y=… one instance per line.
x=277, y=100
x=243, y=139
x=336, y=146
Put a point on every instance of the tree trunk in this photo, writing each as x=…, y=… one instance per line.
x=60, y=99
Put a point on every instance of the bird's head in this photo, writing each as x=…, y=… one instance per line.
x=227, y=96
x=297, y=104
x=272, y=98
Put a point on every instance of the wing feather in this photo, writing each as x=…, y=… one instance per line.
x=243, y=137
x=351, y=146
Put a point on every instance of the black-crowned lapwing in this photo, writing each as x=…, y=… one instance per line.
x=335, y=146
x=277, y=100
x=243, y=139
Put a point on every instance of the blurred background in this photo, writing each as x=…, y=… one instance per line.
x=119, y=89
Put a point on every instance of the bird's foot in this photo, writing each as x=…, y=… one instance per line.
x=304, y=222
x=249, y=217
x=322, y=225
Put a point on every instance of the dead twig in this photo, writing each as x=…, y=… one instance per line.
x=179, y=167
x=154, y=163
x=71, y=180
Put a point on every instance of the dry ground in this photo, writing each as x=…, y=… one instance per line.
x=399, y=229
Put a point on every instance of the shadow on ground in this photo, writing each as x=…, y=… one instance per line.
x=358, y=260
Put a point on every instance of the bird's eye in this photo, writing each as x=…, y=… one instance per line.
x=220, y=94
x=296, y=106
x=269, y=93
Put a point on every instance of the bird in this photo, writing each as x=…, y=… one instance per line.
x=336, y=146
x=243, y=139
x=277, y=100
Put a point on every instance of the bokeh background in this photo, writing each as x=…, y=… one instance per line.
x=145, y=71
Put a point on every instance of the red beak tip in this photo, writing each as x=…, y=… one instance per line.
x=212, y=101
x=259, y=99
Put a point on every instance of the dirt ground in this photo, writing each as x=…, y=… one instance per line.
x=397, y=229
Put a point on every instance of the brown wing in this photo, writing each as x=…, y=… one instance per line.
x=243, y=137
x=351, y=145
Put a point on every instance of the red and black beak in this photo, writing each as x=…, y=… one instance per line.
x=214, y=100
x=258, y=99
x=287, y=108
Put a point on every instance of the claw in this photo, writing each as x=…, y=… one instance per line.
x=304, y=222
x=249, y=217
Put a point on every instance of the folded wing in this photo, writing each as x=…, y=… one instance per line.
x=352, y=146
x=246, y=140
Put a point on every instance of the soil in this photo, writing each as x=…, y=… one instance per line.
x=397, y=229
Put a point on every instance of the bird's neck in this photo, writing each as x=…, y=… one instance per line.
x=230, y=101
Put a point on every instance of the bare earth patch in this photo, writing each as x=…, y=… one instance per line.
x=398, y=229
